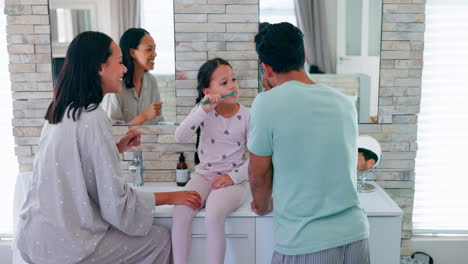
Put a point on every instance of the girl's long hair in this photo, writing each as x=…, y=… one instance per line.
x=204, y=78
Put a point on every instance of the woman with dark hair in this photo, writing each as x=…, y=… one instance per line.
x=78, y=207
x=139, y=102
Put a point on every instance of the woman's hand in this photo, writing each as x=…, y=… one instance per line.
x=189, y=198
x=214, y=100
x=222, y=181
x=131, y=139
x=152, y=111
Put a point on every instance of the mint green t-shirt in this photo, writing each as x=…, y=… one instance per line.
x=310, y=131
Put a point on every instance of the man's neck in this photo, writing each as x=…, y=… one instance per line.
x=300, y=76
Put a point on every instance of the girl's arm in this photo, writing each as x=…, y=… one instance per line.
x=236, y=176
x=241, y=174
x=188, y=127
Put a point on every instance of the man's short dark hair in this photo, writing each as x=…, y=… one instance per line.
x=368, y=154
x=281, y=46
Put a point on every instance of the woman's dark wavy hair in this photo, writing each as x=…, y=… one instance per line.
x=79, y=85
x=204, y=78
x=281, y=46
x=130, y=40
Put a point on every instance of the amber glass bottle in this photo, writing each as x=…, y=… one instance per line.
x=182, y=171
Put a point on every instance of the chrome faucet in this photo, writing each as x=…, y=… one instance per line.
x=137, y=168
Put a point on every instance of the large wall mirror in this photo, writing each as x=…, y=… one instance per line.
x=342, y=42
x=113, y=17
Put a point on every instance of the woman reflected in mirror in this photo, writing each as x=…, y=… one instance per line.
x=139, y=101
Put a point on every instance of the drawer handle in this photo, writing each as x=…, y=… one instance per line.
x=227, y=236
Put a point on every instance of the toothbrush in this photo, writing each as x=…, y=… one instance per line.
x=226, y=95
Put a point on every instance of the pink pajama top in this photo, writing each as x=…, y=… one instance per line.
x=223, y=142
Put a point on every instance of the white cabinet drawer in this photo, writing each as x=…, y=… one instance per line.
x=385, y=239
x=265, y=241
x=240, y=239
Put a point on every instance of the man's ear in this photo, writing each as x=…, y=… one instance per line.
x=206, y=91
x=370, y=163
x=268, y=70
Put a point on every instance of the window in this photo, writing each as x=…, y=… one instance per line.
x=157, y=17
x=9, y=168
x=274, y=11
x=441, y=198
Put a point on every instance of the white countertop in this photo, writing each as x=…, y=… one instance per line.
x=376, y=203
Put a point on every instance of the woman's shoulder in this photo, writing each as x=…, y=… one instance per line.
x=94, y=114
x=94, y=122
x=113, y=97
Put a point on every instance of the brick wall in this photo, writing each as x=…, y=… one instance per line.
x=399, y=102
x=206, y=29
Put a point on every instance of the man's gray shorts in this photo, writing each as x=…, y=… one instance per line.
x=353, y=253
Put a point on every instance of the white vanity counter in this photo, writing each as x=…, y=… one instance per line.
x=376, y=203
x=250, y=237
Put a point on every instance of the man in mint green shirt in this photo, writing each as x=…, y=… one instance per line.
x=303, y=153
